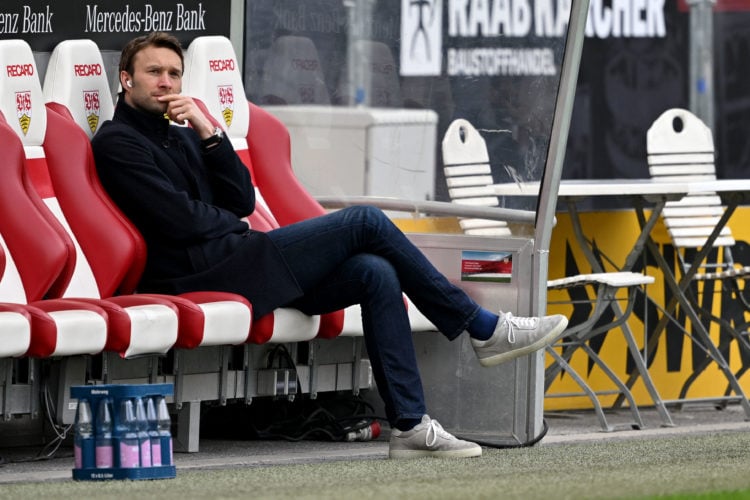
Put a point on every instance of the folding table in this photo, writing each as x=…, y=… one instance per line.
x=638, y=192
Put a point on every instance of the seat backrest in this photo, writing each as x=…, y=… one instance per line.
x=680, y=148
x=35, y=255
x=76, y=87
x=271, y=152
x=281, y=198
x=380, y=85
x=466, y=164
x=292, y=73
x=60, y=164
x=76, y=79
x=20, y=102
x=212, y=74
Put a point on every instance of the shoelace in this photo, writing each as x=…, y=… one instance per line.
x=518, y=322
x=436, y=430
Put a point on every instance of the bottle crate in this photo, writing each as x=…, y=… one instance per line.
x=86, y=468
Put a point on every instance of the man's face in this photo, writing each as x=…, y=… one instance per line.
x=157, y=72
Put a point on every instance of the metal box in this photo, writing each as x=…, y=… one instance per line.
x=503, y=404
x=362, y=151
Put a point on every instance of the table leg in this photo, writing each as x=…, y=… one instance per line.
x=678, y=291
x=647, y=225
x=575, y=221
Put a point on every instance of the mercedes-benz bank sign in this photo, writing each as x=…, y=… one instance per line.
x=110, y=23
x=507, y=37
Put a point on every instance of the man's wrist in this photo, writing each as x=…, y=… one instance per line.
x=213, y=140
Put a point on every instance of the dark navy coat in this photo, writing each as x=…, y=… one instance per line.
x=187, y=204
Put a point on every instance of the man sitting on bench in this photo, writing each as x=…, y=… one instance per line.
x=187, y=191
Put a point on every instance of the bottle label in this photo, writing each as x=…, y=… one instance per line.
x=83, y=453
x=156, y=452
x=78, y=456
x=129, y=455
x=146, y=453
x=104, y=457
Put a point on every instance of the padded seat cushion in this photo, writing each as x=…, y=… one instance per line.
x=15, y=331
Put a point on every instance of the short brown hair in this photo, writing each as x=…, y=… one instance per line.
x=155, y=39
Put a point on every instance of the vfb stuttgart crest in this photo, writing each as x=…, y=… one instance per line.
x=91, y=108
x=23, y=109
x=226, y=102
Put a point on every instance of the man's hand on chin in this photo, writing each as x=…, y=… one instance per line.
x=181, y=109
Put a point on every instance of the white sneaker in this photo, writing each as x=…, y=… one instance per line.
x=429, y=439
x=515, y=336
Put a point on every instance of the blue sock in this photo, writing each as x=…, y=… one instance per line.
x=483, y=325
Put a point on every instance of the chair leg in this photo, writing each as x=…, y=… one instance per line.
x=620, y=385
x=583, y=332
x=600, y=305
x=606, y=297
x=584, y=386
x=739, y=293
x=737, y=375
x=732, y=334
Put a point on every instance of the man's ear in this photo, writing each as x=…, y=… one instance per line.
x=126, y=81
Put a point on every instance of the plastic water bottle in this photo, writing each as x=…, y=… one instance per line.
x=144, y=440
x=104, y=449
x=164, y=424
x=126, y=431
x=83, y=442
x=153, y=432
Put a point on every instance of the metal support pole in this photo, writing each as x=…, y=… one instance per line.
x=702, y=60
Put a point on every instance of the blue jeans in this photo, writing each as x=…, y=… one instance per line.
x=358, y=256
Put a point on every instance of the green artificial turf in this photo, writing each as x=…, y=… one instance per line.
x=677, y=467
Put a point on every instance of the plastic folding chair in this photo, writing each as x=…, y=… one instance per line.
x=681, y=149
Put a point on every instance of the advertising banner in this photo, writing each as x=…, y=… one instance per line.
x=109, y=23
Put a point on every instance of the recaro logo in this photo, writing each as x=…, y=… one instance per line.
x=87, y=69
x=221, y=64
x=20, y=69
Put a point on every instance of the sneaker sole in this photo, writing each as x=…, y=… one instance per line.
x=544, y=341
x=413, y=454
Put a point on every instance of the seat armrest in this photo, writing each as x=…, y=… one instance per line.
x=524, y=217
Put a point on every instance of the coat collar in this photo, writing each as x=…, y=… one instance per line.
x=151, y=125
